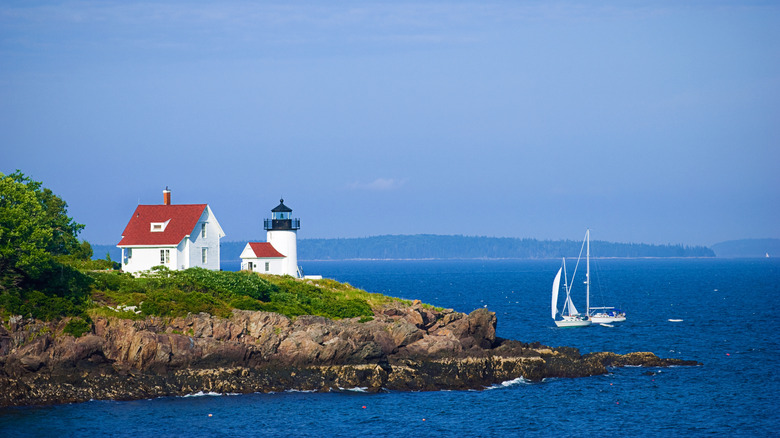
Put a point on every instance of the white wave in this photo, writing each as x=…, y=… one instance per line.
x=202, y=394
x=300, y=390
x=518, y=381
x=355, y=389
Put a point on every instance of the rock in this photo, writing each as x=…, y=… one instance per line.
x=31, y=363
x=403, y=348
x=442, y=343
x=392, y=312
x=68, y=351
x=478, y=329
x=5, y=341
x=402, y=332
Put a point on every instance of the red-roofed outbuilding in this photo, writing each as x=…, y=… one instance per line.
x=261, y=257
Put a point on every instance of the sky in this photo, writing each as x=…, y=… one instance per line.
x=647, y=122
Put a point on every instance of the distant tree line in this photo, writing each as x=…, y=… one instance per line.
x=748, y=248
x=430, y=246
x=424, y=246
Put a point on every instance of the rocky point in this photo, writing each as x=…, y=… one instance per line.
x=405, y=347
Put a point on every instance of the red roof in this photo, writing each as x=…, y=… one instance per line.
x=264, y=250
x=181, y=219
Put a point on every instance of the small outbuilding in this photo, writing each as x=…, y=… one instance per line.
x=262, y=257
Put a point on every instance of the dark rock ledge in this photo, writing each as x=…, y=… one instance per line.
x=403, y=348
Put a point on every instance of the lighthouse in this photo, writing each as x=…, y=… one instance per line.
x=282, y=233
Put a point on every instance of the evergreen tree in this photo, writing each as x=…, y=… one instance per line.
x=35, y=229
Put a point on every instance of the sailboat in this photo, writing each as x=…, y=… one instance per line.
x=569, y=314
x=598, y=315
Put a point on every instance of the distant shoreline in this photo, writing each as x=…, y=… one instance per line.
x=497, y=259
x=449, y=247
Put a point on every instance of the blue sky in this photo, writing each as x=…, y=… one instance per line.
x=655, y=122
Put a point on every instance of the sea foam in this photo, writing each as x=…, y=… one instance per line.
x=210, y=393
x=518, y=381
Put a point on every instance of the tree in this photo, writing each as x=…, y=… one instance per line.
x=35, y=229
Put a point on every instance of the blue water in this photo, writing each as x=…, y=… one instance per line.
x=728, y=308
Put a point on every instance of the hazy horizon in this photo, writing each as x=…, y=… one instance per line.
x=647, y=122
x=262, y=239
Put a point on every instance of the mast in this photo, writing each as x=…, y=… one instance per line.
x=565, y=286
x=587, y=271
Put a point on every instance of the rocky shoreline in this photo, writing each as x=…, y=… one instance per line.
x=405, y=348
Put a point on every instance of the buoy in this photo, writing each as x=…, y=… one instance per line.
x=364, y=407
x=728, y=354
x=209, y=415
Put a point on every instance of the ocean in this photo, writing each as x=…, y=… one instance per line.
x=727, y=307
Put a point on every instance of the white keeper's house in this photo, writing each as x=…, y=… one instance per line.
x=279, y=255
x=175, y=236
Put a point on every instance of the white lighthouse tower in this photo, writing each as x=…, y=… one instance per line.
x=282, y=233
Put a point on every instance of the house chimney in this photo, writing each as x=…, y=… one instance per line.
x=166, y=196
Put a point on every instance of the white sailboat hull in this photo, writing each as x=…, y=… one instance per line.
x=573, y=322
x=600, y=315
x=599, y=319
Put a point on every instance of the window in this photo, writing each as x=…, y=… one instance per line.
x=204, y=255
x=165, y=256
x=267, y=265
x=203, y=230
x=158, y=227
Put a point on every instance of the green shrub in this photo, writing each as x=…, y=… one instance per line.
x=178, y=303
x=246, y=303
x=163, y=292
x=221, y=283
x=108, y=280
x=36, y=304
x=76, y=327
x=295, y=297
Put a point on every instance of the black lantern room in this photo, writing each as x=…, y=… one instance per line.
x=281, y=219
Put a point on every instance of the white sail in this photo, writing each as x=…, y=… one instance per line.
x=570, y=306
x=556, y=286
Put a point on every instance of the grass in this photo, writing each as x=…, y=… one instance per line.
x=166, y=293
x=176, y=293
